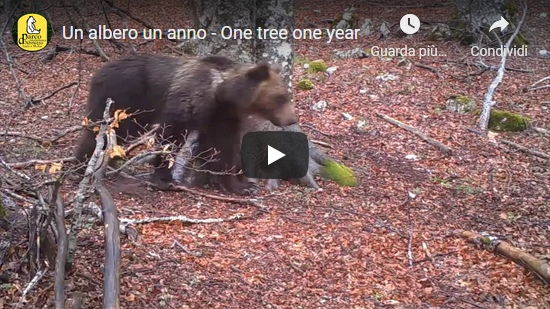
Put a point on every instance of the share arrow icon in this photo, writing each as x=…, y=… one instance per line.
x=273, y=155
x=502, y=24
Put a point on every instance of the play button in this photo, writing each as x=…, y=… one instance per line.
x=273, y=155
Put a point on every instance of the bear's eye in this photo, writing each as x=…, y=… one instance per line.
x=281, y=99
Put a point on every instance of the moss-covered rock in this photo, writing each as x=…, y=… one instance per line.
x=305, y=84
x=340, y=174
x=504, y=121
x=507, y=122
x=317, y=66
x=460, y=104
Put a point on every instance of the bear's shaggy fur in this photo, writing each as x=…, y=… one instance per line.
x=210, y=94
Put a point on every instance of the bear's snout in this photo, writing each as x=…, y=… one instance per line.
x=285, y=117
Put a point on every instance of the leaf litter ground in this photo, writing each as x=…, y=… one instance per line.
x=340, y=247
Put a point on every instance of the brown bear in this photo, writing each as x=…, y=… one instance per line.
x=211, y=95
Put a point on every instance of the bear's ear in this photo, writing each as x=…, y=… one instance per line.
x=259, y=73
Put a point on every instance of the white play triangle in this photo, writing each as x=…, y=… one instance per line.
x=273, y=155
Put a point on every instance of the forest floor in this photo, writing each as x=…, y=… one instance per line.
x=340, y=247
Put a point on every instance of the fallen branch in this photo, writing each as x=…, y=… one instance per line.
x=488, y=98
x=252, y=201
x=182, y=219
x=22, y=135
x=177, y=243
x=541, y=130
x=532, y=87
x=415, y=131
x=324, y=144
x=536, y=153
x=86, y=182
x=305, y=125
x=31, y=285
x=26, y=164
x=111, y=277
x=539, y=267
x=66, y=131
x=430, y=68
x=32, y=101
x=62, y=245
x=411, y=230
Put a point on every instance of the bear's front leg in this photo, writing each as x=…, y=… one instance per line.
x=234, y=185
x=162, y=176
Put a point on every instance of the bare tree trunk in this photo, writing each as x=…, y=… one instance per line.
x=223, y=17
x=277, y=15
x=10, y=11
x=251, y=15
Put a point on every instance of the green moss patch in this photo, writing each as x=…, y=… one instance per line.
x=340, y=174
x=504, y=121
x=507, y=122
x=305, y=84
x=317, y=66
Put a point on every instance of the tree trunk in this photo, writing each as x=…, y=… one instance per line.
x=9, y=7
x=231, y=14
x=251, y=14
x=277, y=15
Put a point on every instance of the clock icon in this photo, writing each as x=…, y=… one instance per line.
x=410, y=24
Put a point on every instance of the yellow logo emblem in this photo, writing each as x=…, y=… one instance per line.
x=33, y=32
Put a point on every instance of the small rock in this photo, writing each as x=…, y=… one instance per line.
x=331, y=70
x=362, y=91
x=440, y=31
x=12, y=141
x=385, y=29
x=306, y=65
x=386, y=77
x=366, y=28
x=356, y=53
x=347, y=116
x=361, y=124
x=411, y=157
x=320, y=106
x=347, y=17
x=460, y=104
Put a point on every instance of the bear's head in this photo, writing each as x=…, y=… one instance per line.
x=258, y=90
